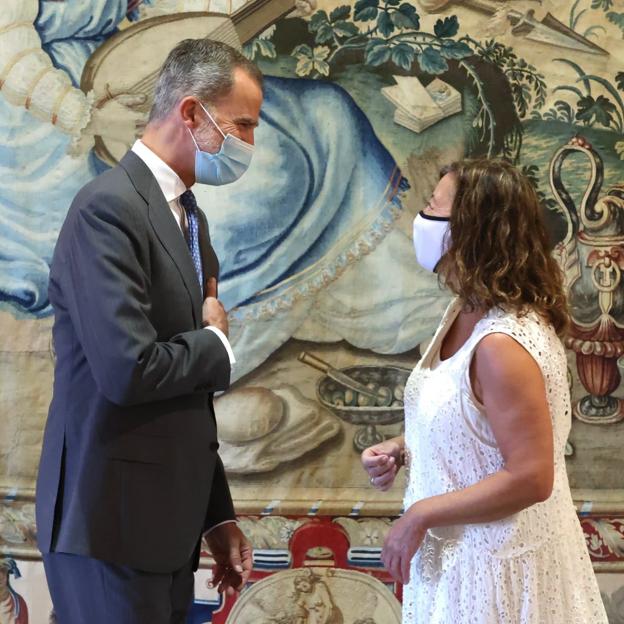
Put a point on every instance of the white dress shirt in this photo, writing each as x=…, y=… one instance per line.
x=172, y=187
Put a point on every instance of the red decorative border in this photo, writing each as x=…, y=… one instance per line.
x=604, y=538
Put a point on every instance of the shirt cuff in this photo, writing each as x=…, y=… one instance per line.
x=220, y=524
x=225, y=341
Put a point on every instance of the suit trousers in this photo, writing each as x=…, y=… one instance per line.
x=85, y=590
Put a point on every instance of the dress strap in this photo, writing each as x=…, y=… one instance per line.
x=450, y=314
x=529, y=331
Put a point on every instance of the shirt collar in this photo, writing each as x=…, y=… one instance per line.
x=168, y=180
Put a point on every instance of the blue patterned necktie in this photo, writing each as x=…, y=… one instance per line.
x=187, y=199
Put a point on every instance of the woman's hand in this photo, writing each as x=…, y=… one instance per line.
x=382, y=462
x=401, y=544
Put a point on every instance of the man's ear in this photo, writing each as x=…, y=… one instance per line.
x=189, y=111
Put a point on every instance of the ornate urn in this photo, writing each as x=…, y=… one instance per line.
x=592, y=258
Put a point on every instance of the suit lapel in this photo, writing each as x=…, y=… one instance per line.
x=165, y=226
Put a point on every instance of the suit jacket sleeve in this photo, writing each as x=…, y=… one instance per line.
x=106, y=290
x=220, y=507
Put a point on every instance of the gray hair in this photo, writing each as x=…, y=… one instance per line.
x=203, y=68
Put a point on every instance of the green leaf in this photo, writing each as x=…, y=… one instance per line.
x=364, y=4
x=447, y=27
x=401, y=21
x=594, y=29
x=345, y=29
x=322, y=67
x=317, y=20
x=455, y=49
x=579, y=70
x=302, y=50
x=374, y=43
x=377, y=52
x=406, y=17
x=431, y=61
x=605, y=5
x=320, y=53
x=530, y=171
x=619, y=80
x=617, y=19
x=325, y=33
x=564, y=111
x=249, y=50
x=340, y=13
x=310, y=60
x=407, y=9
x=597, y=110
x=384, y=24
x=392, y=3
x=403, y=55
x=304, y=66
x=266, y=48
x=366, y=15
x=365, y=10
x=521, y=95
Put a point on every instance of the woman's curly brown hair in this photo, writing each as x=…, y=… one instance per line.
x=498, y=253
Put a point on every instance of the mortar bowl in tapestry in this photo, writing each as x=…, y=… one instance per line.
x=359, y=409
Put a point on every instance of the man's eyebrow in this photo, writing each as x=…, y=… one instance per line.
x=246, y=119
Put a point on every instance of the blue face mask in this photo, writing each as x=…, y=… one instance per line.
x=226, y=165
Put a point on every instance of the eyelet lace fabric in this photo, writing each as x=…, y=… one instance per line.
x=530, y=568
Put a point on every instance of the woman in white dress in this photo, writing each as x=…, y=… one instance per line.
x=490, y=533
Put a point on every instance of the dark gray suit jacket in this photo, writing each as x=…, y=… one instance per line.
x=129, y=469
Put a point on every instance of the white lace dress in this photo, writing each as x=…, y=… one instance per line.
x=530, y=568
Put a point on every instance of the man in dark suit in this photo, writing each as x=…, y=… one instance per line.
x=130, y=478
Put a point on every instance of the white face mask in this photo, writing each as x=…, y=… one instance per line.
x=431, y=239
